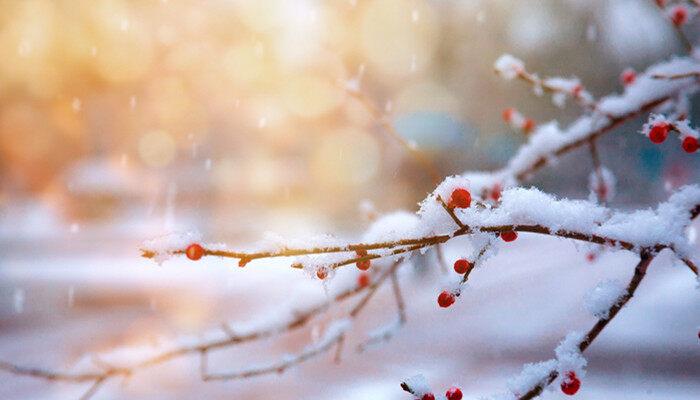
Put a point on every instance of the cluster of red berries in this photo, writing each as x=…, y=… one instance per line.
x=628, y=76
x=571, y=384
x=453, y=393
x=659, y=132
x=513, y=118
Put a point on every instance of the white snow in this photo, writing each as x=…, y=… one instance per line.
x=605, y=295
x=508, y=66
x=569, y=357
x=418, y=384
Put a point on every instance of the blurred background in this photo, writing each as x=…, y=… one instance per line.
x=122, y=120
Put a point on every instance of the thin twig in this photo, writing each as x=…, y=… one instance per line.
x=450, y=211
x=93, y=389
x=693, y=74
x=639, y=273
x=598, y=170
x=309, y=352
x=400, y=305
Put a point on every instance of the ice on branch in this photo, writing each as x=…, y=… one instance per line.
x=508, y=66
x=602, y=297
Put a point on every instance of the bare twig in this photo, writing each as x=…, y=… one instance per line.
x=108, y=371
x=600, y=190
x=310, y=351
x=93, y=389
x=693, y=74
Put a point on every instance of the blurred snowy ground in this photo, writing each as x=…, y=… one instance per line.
x=65, y=295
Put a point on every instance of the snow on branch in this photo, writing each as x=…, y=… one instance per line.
x=485, y=208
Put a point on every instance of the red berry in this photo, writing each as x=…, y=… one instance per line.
x=528, y=125
x=461, y=198
x=659, y=132
x=462, y=266
x=453, y=393
x=446, y=299
x=496, y=192
x=509, y=236
x=690, y=144
x=602, y=191
x=322, y=273
x=428, y=396
x=576, y=91
x=571, y=384
x=194, y=251
x=364, y=264
x=363, y=280
x=590, y=257
x=679, y=15
x=508, y=114
x=628, y=76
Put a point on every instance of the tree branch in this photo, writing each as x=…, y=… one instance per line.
x=639, y=273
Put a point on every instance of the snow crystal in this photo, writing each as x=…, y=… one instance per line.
x=606, y=294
